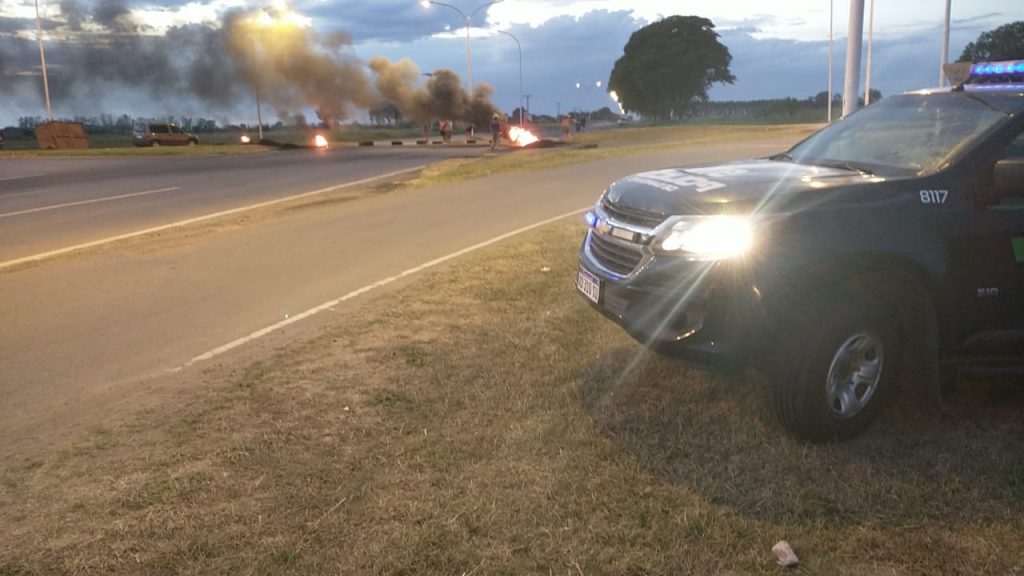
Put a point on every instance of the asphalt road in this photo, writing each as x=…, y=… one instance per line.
x=103, y=322
x=49, y=203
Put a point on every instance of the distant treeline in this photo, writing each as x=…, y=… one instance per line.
x=110, y=124
x=776, y=108
x=779, y=109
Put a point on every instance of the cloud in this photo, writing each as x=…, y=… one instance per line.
x=777, y=68
x=594, y=41
x=390, y=20
x=117, y=69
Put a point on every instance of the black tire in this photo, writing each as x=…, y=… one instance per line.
x=836, y=365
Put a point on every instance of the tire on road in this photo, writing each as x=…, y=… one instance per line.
x=836, y=367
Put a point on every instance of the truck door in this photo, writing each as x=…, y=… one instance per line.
x=996, y=260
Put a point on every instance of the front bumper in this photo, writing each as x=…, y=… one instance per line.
x=706, y=313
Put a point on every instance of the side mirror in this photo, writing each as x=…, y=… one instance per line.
x=1009, y=178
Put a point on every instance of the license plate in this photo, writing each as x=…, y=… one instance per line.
x=589, y=285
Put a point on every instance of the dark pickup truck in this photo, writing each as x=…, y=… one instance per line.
x=887, y=248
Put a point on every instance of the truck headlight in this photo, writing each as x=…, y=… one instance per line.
x=710, y=237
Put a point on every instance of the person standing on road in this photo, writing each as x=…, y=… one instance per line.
x=446, y=131
x=566, y=127
x=495, y=130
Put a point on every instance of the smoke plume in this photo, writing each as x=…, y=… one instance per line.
x=97, y=53
x=442, y=97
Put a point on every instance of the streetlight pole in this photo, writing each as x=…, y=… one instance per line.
x=854, y=41
x=831, y=5
x=469, y=46
x=258, y=21
x=520, y=47
x=259, y=114
x=42, y=63
x=871, y=42
x=945, y=46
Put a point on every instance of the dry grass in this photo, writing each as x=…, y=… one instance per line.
x=596, y=146
x=480, y=422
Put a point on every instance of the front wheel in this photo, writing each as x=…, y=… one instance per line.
x=835, y=368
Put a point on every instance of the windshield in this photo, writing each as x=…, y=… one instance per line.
x=901, y=135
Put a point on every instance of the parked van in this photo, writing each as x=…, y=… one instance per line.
x=161, y=134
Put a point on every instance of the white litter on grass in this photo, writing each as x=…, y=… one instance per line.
x=784, y=554
x=545, y=269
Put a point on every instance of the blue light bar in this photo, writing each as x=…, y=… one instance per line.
x=590, y=218
x=997, y=68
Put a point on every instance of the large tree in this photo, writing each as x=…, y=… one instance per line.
x=1003, y=43
x=669, y=65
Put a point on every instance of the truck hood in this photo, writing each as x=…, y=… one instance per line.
x=725, y=188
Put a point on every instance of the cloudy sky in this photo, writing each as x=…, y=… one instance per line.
x=114, y=56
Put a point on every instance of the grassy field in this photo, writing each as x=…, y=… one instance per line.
x=598, y=145
x=484, y=420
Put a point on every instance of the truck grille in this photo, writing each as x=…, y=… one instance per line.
x=614, y=256
x=632, y=215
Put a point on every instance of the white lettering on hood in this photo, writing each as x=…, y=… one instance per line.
x=678, y=179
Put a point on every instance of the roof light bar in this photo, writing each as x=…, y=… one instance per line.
x=997, y=68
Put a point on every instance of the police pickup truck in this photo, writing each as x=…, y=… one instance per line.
x=887, y=248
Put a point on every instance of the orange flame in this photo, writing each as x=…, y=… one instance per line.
x=319, y=141
x=521, y=136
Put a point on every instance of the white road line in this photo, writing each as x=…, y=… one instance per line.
x=94, y=243
x=9, y=178
x=91, y=201
x=369, y=287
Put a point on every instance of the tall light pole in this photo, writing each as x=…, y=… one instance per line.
x=42, y=64
x=520, y=47
x=871, y=43
x=854, y=42
x=945, y=46
x=259, y=114
x=469, y=47
x=831, y=4
x=262, y=19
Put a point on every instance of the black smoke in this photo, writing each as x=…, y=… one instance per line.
x=101, y=53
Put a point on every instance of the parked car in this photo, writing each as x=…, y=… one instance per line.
x=161, y=134
x=886, y=249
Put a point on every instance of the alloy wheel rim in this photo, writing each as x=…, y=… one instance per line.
x=854, y=375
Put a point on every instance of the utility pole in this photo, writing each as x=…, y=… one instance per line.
x=831, y=4
x=527, y=96
x=559, y=108
x=42, y=63
x=871, y=42
x=520, y=47
x=854, y=42
x=945, y=45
